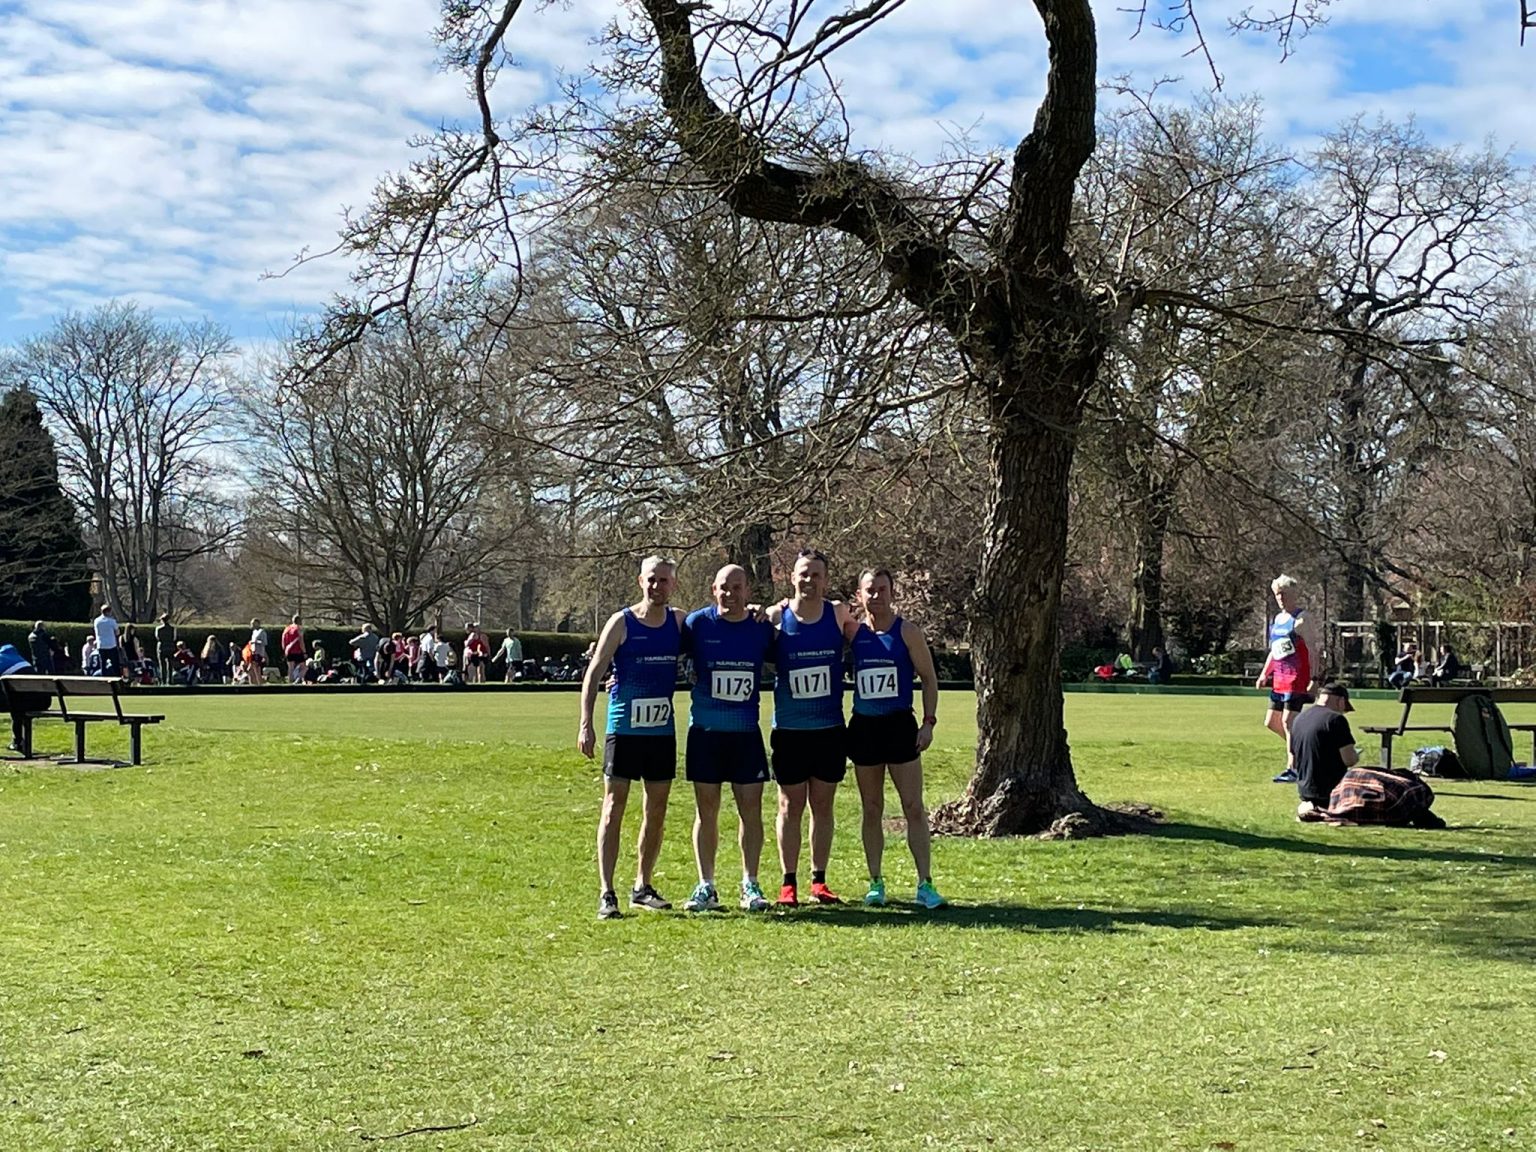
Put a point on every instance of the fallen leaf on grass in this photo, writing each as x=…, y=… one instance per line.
x=1437, y=1056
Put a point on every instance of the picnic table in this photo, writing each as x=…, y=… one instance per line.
x=28, y=690
x=1412, y=695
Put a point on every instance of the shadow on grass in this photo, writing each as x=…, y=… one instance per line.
x=1443, y=791
x=1018, y=917
x=1257, y=840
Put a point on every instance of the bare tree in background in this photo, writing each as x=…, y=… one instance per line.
x=376, y=477
x=139, y=410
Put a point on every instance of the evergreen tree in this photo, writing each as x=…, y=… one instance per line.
x=45, y=571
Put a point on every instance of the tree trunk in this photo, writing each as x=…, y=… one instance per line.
x=1023, y=783
x=751, y=546
x=527, y=597
x=1147, y=579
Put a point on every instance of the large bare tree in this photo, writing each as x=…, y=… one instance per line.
x=738, y=98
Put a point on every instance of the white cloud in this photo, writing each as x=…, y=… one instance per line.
x=171, y=151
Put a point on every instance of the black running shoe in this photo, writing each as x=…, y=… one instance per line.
x=647, y=897
x=608, y=907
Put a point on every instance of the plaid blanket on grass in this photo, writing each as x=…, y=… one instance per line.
x=1377, y=796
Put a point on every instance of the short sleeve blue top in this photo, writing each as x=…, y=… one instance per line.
x=728, y=660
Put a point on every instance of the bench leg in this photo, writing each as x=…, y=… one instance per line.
x=1386, y=750
x=26, y=737
x=134, y=731
x=79, y=741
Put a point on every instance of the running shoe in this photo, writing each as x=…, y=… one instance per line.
x=647, y=897
x=789, y=897
x=875, y=897
x=1287, y=777
x=928, y=896
x=608, y=907
x=821, y=894
x=704, y=899
x=752, y=898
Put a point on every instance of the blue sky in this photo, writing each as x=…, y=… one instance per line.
x=175, y=151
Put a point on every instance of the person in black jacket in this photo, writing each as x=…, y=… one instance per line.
x=41, y=642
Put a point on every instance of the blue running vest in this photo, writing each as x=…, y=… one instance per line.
x=882, y=672
x=728, y=665
x=808, y=689
x=645, y=676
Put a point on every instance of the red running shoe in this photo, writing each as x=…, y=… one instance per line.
x=788, y=897
x=821, y=894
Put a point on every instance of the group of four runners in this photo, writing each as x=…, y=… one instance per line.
x=729, y=643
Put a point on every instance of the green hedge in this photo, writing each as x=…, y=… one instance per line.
x=536, y=645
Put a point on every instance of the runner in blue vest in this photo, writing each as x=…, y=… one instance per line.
x=810, y=749
x=725, y=740
x=884, y=736
x=643, y=643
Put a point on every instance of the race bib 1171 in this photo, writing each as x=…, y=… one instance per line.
x=810, y=683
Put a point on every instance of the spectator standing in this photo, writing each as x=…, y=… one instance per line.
x=442, y=655
x=165, y=647
x=413, y=657
x=133, y=652
x=477, y=650
x=256, y=660
x=215, y=660
x=106, y=633
x=511, y=654
x=426, y=656
x=41, y=644
x=365, y=646
x=293, y=649
x=90, y=659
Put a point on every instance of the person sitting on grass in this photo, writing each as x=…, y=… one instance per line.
x=1322, y=748
x=1162, y=667
x=184, y=662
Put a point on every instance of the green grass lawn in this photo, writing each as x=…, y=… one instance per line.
x=315, y=922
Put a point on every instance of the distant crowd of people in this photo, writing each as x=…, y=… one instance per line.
x=114, y=649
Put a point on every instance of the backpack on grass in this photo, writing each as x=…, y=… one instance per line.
x=1483, y=744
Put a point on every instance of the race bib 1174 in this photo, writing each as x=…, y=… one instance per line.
x=877, y=683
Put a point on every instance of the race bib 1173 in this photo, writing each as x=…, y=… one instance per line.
x=732, y=686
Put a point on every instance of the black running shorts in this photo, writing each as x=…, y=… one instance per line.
x=801, y=754
x=890, y=739
x=649, y=758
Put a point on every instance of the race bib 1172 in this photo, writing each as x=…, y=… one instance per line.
x=650, y=712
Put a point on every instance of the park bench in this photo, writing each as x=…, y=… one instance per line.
x=67, y=688
x=1410, y=696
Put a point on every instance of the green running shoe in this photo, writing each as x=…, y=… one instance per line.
x=928, y=896
x=752, y=898
x=704, y=899
x=875, y=897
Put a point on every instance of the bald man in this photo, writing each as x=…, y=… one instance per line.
x=725, y=740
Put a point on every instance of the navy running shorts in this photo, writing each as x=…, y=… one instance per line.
x=725, y=757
